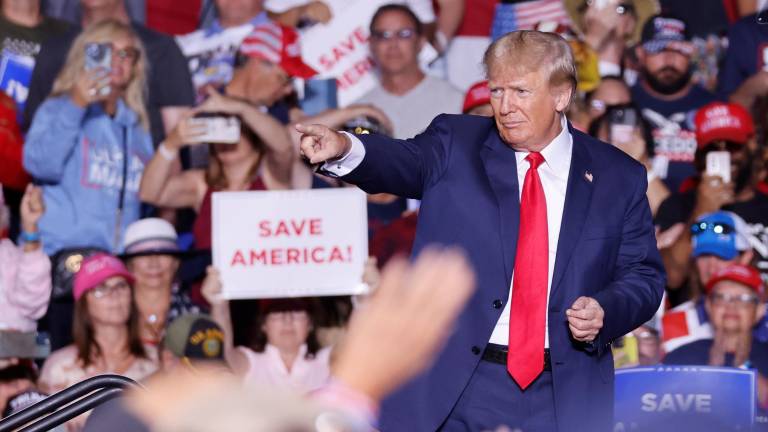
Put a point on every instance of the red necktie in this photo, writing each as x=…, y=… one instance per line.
x=525, y=360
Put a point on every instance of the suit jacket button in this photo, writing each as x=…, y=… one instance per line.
x=497, y=304
x=475, y=350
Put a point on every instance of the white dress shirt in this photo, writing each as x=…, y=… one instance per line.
x=554, y=180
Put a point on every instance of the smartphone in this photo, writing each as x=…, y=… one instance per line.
x=719, y=164
x=99, y=56
x=218, y=129
x=623, y=121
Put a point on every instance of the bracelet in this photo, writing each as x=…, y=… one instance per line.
x=166, y=153
x=30, y=237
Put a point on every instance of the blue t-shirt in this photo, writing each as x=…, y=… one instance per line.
x=672, y=129
x=747, y=53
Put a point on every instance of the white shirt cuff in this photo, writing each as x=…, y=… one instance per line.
x=349, y=161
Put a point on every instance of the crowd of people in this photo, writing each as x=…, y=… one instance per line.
x=107, y=177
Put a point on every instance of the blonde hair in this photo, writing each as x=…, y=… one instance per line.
x=529, y=50
x=105, y=32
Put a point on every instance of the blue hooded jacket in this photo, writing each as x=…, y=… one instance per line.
x=76, y=154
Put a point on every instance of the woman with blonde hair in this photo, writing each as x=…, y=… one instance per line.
x=87, y=147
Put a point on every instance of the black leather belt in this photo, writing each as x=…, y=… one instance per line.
x=498, y=354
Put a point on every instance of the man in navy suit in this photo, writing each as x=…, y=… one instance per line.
x=557, y=227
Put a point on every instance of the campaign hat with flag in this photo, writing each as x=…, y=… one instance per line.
x=278, y=44
x=665, y=33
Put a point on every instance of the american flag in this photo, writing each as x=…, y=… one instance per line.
x=526, y=14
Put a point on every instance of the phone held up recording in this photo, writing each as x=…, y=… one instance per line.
x=219, y=129
x=99, y=56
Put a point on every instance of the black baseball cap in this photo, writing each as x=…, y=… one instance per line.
x=196, y=337
x=664, y=32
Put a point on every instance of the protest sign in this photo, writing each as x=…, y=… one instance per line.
x=15, y=75
x=678, y=398
x=339, y=49
x=290, y=243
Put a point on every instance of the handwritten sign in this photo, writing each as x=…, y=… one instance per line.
x=290, y=243
x=678, y=398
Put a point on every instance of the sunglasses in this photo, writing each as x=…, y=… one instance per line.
x=402, y=34
x=737, y=299
x=716, y=227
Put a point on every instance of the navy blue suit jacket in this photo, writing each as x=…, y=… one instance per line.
x=466, y=177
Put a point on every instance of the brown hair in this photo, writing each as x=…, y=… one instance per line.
x=259, y=341
x=82, y=331
x=214, y=174
x=530, y=50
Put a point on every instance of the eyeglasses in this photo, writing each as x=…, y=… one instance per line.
x=385, y=35
x=298, y=315
x=105, y=290
x=721, y=299
x=130, y=53
x=716, y=227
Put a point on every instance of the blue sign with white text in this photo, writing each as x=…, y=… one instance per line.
x=682, y=398
x=15, y=75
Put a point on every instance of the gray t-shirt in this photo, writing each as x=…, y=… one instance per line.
x=412, y=112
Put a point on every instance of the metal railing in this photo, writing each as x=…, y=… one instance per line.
x=67, y=404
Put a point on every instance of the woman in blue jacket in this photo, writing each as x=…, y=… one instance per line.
x=87, y=147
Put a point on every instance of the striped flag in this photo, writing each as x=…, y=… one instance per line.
x=684, y=324
x=526, y=14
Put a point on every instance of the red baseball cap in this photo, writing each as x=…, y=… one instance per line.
x=723, y=121
x=278, y=44
x=740, y=273
x=478, y=94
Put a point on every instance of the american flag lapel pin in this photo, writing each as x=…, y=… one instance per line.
x=588, y=176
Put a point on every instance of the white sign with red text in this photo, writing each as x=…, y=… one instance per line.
x=339, y=49
x=290, y=243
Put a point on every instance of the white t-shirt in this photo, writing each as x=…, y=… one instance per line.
x=412, y=112
x=422, y=8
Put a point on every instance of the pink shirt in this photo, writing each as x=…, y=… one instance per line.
x=25, y=286
x=267, y=369
x=62, y=369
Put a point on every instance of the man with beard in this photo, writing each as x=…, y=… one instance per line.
x=719, y=127
x=668, y=97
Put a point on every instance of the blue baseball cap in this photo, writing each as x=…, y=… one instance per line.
x=722, y=233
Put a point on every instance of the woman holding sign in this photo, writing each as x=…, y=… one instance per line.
x=287, y=352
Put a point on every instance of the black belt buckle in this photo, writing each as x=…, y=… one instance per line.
x=498, y=354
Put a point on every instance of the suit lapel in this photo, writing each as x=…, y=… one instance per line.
x=577, y=199
x=501, y=168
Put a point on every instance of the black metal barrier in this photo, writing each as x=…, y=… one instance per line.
x=67, y=404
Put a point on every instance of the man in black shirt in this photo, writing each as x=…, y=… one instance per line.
x=169, y=84
x=719, y=126
x=23, y=29
x=668, y=97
